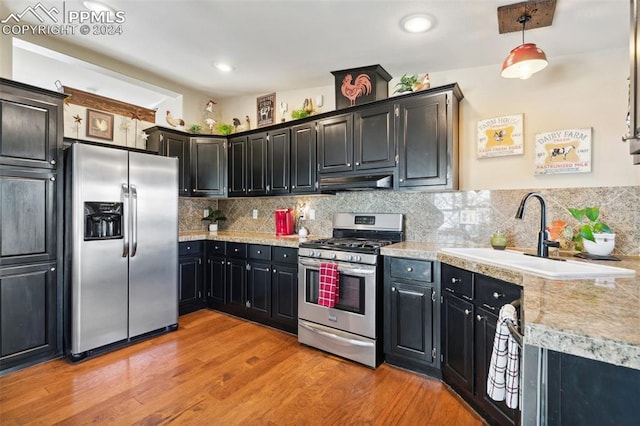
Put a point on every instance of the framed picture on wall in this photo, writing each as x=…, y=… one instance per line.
x=500, y=136
x=266, y=109
x=563, y=151
x=99, y=125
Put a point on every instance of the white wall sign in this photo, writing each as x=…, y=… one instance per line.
x=563, y=151
x=500, y=136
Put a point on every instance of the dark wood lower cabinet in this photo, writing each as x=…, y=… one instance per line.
x=470, y=306
x=190, y=277
x=28, y=315
x=259, y=291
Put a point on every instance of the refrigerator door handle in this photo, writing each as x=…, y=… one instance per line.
x=125, y=215
x=134, y=220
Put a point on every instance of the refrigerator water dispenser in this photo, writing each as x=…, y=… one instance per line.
x=102, y=221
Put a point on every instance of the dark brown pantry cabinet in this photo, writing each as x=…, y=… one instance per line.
x=31, y=291
x=470, y=306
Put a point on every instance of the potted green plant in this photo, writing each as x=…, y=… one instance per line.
x=407, y=83
x=592, y=235
x=214, y=217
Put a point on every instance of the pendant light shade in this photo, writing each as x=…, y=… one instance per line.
x=524, y=61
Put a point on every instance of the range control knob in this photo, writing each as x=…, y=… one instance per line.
x=349, y=258
x=317, y=254
x=358, y=258
x=332, y=255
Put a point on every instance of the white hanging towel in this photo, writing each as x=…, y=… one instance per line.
x=503, y=383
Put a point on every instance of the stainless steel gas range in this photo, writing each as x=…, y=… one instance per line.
x=352, y=328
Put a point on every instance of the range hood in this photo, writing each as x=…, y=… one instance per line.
x=355, y=183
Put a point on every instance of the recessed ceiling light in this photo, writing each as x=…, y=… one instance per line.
x=98, y=6
x=418, y=23
x=221, y=66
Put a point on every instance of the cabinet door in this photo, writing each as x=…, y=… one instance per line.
x=335, y=144
x=457, y=342
x=216, y=281
x=374, y=137
x=237, y=164
x=257, y=164
x=28, y=314
x=209, y=167
x=284, y=290
x=28, y=212
x=236, y=286
x=178, y=146
x=30, y=129
x=411, y=322
x=189, y=284
x=278, y=181
x=303, y=159
x=485, y=331
x=259, y=290
x=422, y=139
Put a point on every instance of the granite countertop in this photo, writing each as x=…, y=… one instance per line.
x=242, y=237
x=593, y=318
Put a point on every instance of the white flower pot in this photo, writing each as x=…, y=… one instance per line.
x=213, y=227
x=602, y=247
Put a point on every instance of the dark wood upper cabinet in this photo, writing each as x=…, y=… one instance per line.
x=237, y=164
x=335, y=144
x=209, y=167
x=170, y=143
x=278, y=164
x=30, y=128
x=257, y=164
x=374, y=137
x=304, y=177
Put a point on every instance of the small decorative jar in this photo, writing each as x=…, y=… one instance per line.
x=499, y=240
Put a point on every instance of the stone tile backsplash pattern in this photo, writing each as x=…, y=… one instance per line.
x=435, y=216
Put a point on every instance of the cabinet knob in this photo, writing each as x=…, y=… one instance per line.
x=293, y=187
x=497, y=295
x=53, y=269
x=268, y=188
x=467, y=312
x=249, y=189
x=275, y=270
x=208, y=260
x=348, y=164
x=259, y=251
x=409, y=269
x=52, y=178
x=455, y=280
x=479, y=317
x=268, y=269
x=235, y=250
x=216, y=247
x=393, y=289
x=53, y=162
x=188, y=247
x=286, y=187
x=285, y=255
x=401, y=180
x=222, y=262
x=357, y=163
x=228, y=263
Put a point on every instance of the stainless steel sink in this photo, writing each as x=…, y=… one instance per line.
x=547, y=268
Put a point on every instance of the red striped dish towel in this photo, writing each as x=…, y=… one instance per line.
x=329, y=279
x=503, y=383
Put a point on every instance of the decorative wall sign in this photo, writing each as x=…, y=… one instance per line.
x=266, y=110
x=99, y=125
x=563, y=151
x=500, y=136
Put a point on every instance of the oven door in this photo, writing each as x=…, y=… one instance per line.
x=355, y=311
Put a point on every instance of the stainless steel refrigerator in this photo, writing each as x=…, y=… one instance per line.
x=122, y=245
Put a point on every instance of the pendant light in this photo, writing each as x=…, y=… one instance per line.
x=524, y=60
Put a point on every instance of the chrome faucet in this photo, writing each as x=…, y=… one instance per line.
x=543, y=242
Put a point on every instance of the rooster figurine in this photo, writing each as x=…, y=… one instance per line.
x=352, y=90
x=174, y=122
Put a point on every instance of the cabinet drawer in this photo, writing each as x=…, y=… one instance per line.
x=189, y=247
x=237, y=250
x=259, y=252
x=492, y=293
x=285, y=255
x=417, y=270
x=457, y=281
x=217, y=247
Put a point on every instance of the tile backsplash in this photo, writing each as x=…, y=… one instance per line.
x=435, y=216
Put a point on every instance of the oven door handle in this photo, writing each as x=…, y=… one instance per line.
x=341, y=269
x=334, y=336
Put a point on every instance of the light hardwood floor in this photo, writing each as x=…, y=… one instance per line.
x=217, y=369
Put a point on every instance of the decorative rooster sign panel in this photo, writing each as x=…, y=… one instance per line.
x=500, y=136
x=563, y=151
x=357, y=86
x=99, y=125
x=266, y=109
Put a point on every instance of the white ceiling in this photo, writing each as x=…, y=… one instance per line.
x=286, y=45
